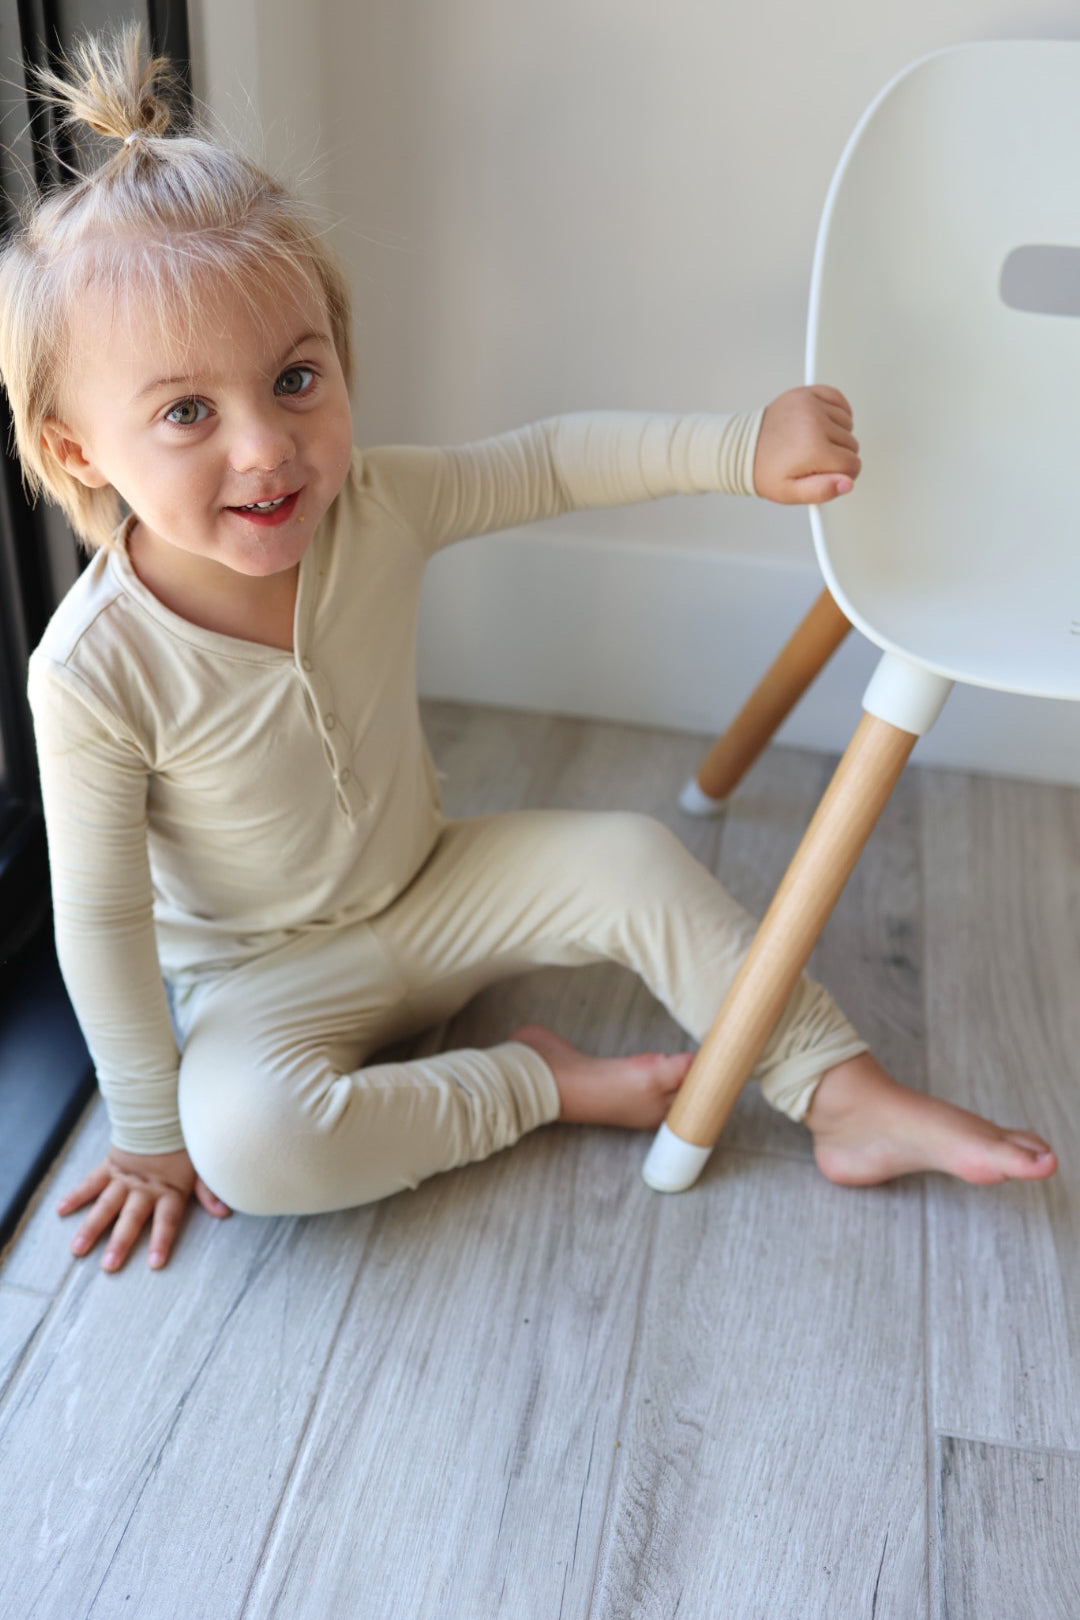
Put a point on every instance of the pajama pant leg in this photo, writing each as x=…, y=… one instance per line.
x=281, y=1115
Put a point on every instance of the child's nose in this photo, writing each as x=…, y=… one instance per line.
x=261, y=445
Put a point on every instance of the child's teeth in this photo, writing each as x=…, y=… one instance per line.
x=262, y=506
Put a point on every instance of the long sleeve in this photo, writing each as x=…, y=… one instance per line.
x=562, y=464
x=94, y=786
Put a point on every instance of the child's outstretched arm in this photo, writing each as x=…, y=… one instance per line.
x=799, y=449
x=806, y=451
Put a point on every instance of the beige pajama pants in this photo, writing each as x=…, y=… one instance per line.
x=280, y=1113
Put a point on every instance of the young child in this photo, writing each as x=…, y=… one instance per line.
x=238, y=794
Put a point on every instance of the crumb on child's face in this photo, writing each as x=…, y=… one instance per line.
x=247, y=408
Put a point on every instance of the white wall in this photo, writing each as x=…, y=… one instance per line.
x=259, y=67
x=555, y=204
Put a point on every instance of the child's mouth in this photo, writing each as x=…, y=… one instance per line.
x=265, y=513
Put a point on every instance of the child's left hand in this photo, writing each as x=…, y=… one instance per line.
x=806, y=452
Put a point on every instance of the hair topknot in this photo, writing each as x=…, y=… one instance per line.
x=111, y=86
x=165, y=216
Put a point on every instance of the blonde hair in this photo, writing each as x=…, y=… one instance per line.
x=164, y=215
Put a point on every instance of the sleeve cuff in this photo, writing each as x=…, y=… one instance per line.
x=149, y=1136
x=738, y=447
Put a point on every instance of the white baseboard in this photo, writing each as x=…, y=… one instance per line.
x=676, y=637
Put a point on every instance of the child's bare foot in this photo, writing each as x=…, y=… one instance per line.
x=868, y=1128
x=631, y=1091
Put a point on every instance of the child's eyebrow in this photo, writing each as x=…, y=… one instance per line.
x=187, y=382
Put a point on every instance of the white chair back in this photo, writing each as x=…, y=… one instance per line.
x=945, y=302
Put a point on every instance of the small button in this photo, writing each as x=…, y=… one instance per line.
x=346, y=775
x=329, y=721
x=306, y=663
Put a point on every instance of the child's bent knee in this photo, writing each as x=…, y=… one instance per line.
x=243, y=1157
x=639, y=859
x=267, y=1147
x=628, y=843
x=253, y=1137
x=297, y=1170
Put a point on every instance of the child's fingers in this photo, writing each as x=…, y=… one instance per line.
x=840, y=415
x=834, y=459
x=133, y=1217
x=168, y=1213
x=210, y=1201
x=104, y=1212
x=820, y=488
x=831, y=397
x=88, y=1188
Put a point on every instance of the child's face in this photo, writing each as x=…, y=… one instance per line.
x=243, y=410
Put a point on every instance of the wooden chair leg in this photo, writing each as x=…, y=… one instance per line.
x=772, y=700
x=781, y=948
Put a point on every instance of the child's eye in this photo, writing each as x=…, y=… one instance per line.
x=296, y=380
x=186, y=412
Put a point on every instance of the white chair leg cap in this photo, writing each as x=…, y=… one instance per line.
x=671, y=1164
x=696, y=802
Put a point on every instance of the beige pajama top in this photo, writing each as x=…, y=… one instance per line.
x=208, y=799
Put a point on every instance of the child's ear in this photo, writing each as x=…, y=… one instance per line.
x=60, y=443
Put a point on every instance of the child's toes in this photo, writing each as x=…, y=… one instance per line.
x=1028, y=1139
x=1034, y=1156
x=1014, y=1155
x=674, y=1069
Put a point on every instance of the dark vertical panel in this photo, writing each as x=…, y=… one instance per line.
x=42, y=40
x=44, y=1068
x=33, y=138
x=169, y=37
x=169, y=30
x=24, y=611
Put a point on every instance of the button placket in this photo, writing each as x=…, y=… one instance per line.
x=351, y=797
x=320, y=699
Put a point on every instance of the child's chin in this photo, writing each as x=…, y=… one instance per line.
x=269, y=553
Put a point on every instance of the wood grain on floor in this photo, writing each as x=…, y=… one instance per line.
x=533, y=1389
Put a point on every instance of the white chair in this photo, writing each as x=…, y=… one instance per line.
x=944, y=303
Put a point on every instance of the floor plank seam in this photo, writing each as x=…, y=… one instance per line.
x=606, y=1529
x=150, y=1471
x=935, y=1568
x=935, y=1578
x=921, y=911
x=1069, y=1454
x=21, y=1362
x=319, y=1392
x=25, y=1288
x=72, y=1277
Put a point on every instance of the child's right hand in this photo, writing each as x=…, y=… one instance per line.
x=806, y=450
x=132, y=1188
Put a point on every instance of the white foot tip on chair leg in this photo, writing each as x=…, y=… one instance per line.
x=696, y=802
x=671, y=1164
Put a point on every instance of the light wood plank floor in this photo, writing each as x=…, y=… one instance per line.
x=533, y=1389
